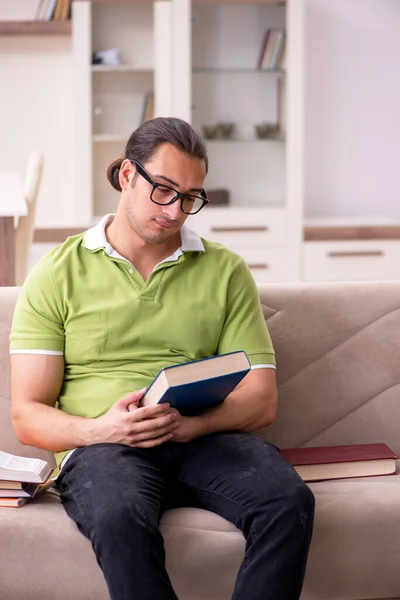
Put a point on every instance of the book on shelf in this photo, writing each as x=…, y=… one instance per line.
x=148, y=107
x=263, y=48
x=272, y=50
x=195, y=386
x=53, y=10
x=22, y=469
x=61, y=10
x=40, y=10
x=339, y=462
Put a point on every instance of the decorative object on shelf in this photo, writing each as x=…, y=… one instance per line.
x=210, y=132
x=225, y=130
x=218, y=197
x=267, y=130
x=221, y=130
x=106, y=57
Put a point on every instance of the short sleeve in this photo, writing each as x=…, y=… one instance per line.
x=245, y=327
x=37, y=326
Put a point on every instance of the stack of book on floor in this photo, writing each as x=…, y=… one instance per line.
x=22, y=479
x=341, y=462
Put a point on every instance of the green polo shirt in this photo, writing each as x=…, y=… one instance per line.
x=116, y=330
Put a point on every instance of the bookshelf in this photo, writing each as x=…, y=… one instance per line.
x=277, y=183
x=222, y=83
x=35, y=27
x=207, y=74
x=111, y=99
x=227, y=86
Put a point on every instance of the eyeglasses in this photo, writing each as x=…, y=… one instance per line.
x=163, y=194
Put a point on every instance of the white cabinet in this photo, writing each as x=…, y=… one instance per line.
x=260, y=236
x=242, y=227
x=352, y=260
x=269, y=263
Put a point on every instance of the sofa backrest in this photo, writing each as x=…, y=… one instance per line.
x=8, y=440
x=338, y=357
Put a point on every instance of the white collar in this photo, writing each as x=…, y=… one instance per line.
x=95, y=237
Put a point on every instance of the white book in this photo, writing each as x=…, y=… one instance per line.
x=48, y=10
x=41, y=9
x=19, y=468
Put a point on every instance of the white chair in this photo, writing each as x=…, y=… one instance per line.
x=26, y=225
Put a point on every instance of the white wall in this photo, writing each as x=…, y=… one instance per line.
x=352, y=108
x=36, y=113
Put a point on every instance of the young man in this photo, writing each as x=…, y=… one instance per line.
x=97, y=319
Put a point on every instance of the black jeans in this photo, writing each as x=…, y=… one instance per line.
x=116, y=495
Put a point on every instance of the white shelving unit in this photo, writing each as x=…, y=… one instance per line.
x=110, y=100
x=200, y=60
x=264, y=177
x=199, y=57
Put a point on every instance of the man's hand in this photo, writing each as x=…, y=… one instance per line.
x=145, y=427
x=188, y=428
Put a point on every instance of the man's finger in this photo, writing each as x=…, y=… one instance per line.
x=150, y=412
x=155, y=442
x=131, y=398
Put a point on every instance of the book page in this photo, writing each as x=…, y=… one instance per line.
x=10, y=462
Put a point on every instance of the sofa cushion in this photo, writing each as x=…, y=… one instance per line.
x=355, y=552
x=203, y=554
x=357, y=523
x=43, y=547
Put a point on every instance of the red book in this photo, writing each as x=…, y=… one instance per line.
x=337, y=462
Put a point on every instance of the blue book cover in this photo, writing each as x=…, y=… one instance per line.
x=206, y=390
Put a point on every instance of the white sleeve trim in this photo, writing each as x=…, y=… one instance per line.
x=263, y=367
x=27, y=351
x=66, y=458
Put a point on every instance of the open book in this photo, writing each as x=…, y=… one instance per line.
x=196, y=386
x=19, y=468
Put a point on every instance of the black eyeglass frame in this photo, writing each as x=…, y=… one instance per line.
x=179, y=195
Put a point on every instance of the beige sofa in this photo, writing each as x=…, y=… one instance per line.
x=338, y=352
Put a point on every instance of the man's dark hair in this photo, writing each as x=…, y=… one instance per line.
x=147, y=138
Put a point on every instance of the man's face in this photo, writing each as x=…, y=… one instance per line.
x=169, y=166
